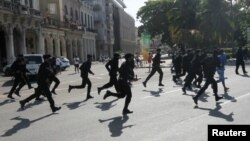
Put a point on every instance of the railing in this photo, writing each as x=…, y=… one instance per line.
x=52, y=22
x=17, y=8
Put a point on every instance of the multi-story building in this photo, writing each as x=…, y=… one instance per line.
x=19, y=28
x=124, y=31
x=116, y=29
x=68, y=28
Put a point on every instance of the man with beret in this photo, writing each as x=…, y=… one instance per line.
x=85, y=70
x=112, y=66
x=155, y=67
x=123, y=86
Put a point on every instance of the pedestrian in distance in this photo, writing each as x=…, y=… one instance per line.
x=112, y=66
x=123, y=85
x=222, y=59
x=85, y=70
x=156, y=68
x=76, y=64
x=240, y=61
x=44, y=74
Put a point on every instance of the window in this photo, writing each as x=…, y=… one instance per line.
x=76, y=14
x=31, y=3
x=52, y=8
x=71, y=13
x=65, y=10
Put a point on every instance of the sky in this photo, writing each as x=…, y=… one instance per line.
x=132, y=7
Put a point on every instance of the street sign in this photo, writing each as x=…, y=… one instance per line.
x=248, y=34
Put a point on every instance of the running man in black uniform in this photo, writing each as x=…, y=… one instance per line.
x=85, y=70
x=156, y=67
x=112, y=66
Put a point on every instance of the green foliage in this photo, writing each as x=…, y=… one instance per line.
x=197, y=23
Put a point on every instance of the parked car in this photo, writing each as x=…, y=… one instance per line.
x=65, y=63
x=33, y=62
x=6, y=70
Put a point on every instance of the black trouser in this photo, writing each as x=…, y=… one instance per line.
x=189, y=78
x=154, y=69
x=85, y=80
x=212, y=81
x=19, y=80
x=57, y=82
x=238, y=63
x=112, y=81
x=124, y=90
x=184, y=71
x=27, y=80
x=177, y=70
x=200, y=77
x=42, y=88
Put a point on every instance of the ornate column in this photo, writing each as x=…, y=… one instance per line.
x=96, y=58
x=23, y=49
x=64, y=51
x=40, y=44
x=57, y=47
x=50, y=45
x=80, y=50
x=10, y=44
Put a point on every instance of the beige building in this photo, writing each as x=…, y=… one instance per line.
x=116, y=29
x=20, y=28
x=68, y=28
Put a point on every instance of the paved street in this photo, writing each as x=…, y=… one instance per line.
x=160, y=113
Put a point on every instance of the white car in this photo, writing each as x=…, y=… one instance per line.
x=64, y=63
x=33, y=62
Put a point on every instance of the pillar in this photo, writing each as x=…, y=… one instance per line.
x=10, y=44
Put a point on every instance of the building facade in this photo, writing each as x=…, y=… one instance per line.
x=56, y=27
x=116, y=29
x=68, y=28
x=20, y=28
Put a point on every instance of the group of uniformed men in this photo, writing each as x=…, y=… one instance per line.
x=194, y=65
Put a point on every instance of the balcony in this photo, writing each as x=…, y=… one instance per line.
x=16, y=8
x=55, y=23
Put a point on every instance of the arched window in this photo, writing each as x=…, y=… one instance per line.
x=65, y=10
x=71, y=14
x=76, y=14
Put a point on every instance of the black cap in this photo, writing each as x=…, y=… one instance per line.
x=46, y=56
x=89, y=56
x=20, y=56
x=158, y=49
x=127, y=56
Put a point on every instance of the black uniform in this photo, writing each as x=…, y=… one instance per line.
x=155, y=67
x=209, y=71
x=85, y=70
x=112, y=67
x=44, y=74
x=17, y=67
x=24, y=76
x=240, y=61
x=123, y=86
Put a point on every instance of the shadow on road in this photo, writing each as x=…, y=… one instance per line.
x=24, y=123
x=229, y=97
x=116, y=125
x=244, y=75
x=155, y=93
x=106, y=105
x=30, y=105
x=217, y=113
x=8, y=83
x=75, y=105
x=7, y=101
